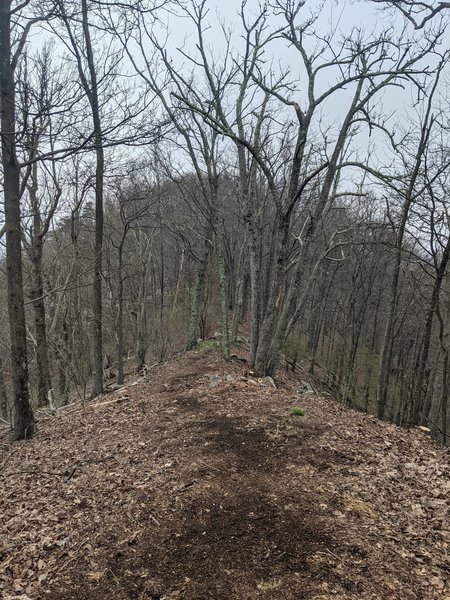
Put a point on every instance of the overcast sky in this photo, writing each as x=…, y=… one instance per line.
x=342, y=15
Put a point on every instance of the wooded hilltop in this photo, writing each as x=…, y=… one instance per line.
x=278, y=177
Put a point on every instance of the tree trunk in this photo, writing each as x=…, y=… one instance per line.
x=91, y=90
x=275, y=301
x=63, y=361
x=223, y=294
x=199, y=289
x=3, y=396
x=434, y=301
x=23, y=415
x=239, y=295
x=255, y=299
x=388, y=341
x=120, y=343
x=141, y=313
x=40, y=326
x=444, y=396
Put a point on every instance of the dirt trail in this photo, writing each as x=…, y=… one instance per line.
x=200, y=484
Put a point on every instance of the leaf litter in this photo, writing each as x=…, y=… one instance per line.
x=175, y=489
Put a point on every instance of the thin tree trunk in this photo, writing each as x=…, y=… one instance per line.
x=330, y=356
x=63, y=362
x=388, y=341
x=141, y=328
x=91, y=90
x=255, y=298
x=349, y=388
x=223, y=294
x=444, y=396
x=120, y=342
x=40, y=326
x=418, y=393
x=239, y=295
x=371, y=356
x=316, y=341
x=417, y=353
x=200, y=281
x=3, y=396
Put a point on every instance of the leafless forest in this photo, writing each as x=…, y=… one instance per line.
x=170, y=177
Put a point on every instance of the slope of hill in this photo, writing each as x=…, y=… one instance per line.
x=200, y=483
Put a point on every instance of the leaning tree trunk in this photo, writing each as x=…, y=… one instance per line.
x=445, y=373
x=434, y=302
x=388, y=341
x=23, y=414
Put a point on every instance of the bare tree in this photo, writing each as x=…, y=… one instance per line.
x=133, y=205
x=417, y=13
x=81, y=47
x=40, y=92
x=9, y=57
x=291, y=169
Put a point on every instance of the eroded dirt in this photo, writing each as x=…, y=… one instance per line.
x=177, y=489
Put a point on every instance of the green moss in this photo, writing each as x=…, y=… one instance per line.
x=206, y=345
x=298, y=412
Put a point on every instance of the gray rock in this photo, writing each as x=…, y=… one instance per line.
x=306, y=388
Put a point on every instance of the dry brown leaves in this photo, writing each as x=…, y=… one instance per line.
x=172, y=488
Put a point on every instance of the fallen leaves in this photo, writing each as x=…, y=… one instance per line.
x=98, y=481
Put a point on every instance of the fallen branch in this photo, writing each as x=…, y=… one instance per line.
x=48, y=473
x=115, y=401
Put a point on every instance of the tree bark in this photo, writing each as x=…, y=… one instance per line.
x=275, y=301
x=199, y=289
x=24, y=425
x=3, y=396
x=223, y=294
x=239, y=300
x=40, y=326
x=419, y=411
x=120, y=342
x=91, y=90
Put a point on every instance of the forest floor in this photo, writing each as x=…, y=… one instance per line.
x=199, y=483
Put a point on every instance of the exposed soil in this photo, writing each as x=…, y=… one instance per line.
x=190, y=485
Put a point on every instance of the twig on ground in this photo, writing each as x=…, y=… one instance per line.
x=155, y=520
x=329, y=553
x=30, y=472
x=7, y=460
x=72, y=473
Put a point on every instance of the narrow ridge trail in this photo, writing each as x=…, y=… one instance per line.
x=199, y=483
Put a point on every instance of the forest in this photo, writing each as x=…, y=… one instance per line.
x=275, y=175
